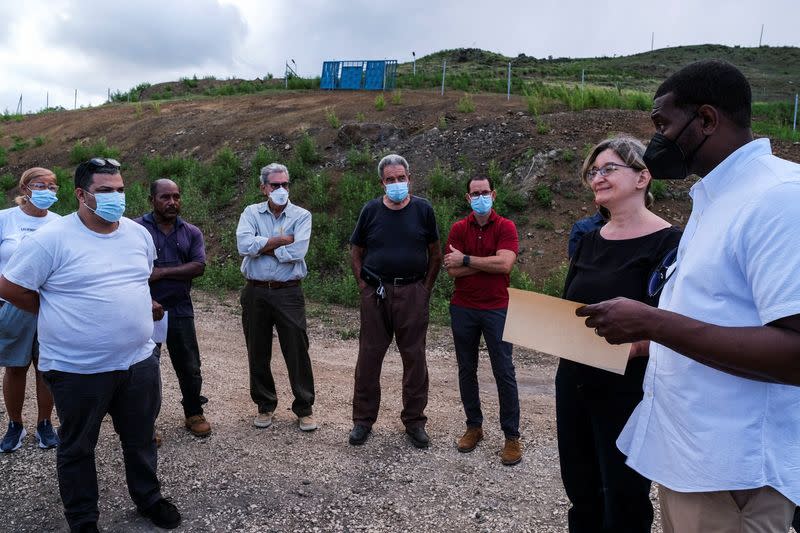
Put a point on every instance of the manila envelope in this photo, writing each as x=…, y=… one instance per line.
x=549, y=325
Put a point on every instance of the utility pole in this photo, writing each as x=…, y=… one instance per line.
x=761, y=36
x=75, y=104
x=508, y=95
x=652, y=40
x=414, y=55
x=794, y=121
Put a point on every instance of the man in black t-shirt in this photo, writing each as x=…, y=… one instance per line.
x=395, y=258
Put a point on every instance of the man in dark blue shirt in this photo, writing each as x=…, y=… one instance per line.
x=181, y=257
x=584, y=226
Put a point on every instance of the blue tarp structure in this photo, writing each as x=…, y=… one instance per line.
x=356, y=75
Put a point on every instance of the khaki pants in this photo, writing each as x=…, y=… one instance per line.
x=762, y=510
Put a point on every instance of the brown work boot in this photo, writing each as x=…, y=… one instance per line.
x=198, y=425
x=511, y=453
x=470, y=439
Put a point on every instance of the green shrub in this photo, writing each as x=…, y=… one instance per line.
x=330, y=116
x=442, y=122
x=360, y=158
x=521, y=280
x=360, y=117
x=442, y=183
x=8, y=182
x=39, y=140
x=553, y=284
x=543, y=223
x=313, y=193
x=82, y=152
x=67, y=203
x=658, y=189
x=397, y=97
x=3, y=157
x=568, y=156
x=380, y=102
x=220, y=276
x=19, y=144
x=542, y=128
x=306, y=150
x=465, y=104
x=543, y=196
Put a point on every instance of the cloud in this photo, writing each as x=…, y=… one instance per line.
x=151, y=33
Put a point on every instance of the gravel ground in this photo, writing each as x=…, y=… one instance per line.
x=280, y=479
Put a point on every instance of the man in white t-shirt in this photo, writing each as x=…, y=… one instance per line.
x=86, y=275
x=719, y=425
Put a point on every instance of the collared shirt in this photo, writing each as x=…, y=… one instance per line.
x=698, y=429
x=184, y=244
x=257, y=225
x=581, y=228
x=482, y=290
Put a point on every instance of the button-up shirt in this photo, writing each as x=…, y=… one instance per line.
x=698, y=429
x=257, y=225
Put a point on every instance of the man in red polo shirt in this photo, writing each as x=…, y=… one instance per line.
x=481, y=250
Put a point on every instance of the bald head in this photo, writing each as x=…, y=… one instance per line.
x=165, y=197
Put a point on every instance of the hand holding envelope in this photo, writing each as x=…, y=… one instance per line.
x=550, y=325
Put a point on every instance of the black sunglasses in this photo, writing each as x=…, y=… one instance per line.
x=104, y=162
x=660, y=275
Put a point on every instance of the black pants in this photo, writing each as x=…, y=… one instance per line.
x=468, y=325
x=606, y=494
x=285, y=309
x=133, y=399
x=185, y=357
x=796, y=521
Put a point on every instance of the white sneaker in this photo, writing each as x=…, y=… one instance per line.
x=307, y=423
x=263, y=420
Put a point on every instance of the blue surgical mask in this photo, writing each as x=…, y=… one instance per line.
x=482, y=204
x=43, y=199
x=397, y=192
x=110, y=205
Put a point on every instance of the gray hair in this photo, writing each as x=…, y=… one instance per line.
x=630, y=150
x=272, y=168
x=391, y=159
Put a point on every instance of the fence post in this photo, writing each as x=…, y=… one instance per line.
x=75, y=104
x=444, y=68
x=794, y=121
x=508, y=93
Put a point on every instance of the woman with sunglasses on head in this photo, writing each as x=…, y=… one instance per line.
x=18, y=345
x=622, y=258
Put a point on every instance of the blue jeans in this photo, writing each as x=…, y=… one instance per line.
x=133, y=398
x=185, y=357
x=468, y=326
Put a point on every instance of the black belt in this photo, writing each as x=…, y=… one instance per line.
x=405, y=280
x=273, y=284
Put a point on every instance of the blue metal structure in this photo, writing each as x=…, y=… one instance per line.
x=355, y=75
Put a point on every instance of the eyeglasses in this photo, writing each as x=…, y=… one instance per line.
x=104, y=162
x=42, y=186
x=604, y=171
x=477, y=194
x=284, y=184
x=661, y=274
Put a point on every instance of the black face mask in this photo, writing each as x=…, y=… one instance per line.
x=665, y=159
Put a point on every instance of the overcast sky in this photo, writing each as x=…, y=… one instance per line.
x=58, y=46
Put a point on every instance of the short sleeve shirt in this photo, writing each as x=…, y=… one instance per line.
x=482, y=290
x=184, y=244
x=396, y=241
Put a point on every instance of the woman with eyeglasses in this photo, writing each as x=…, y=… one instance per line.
x=18, y=345
x=622, y=258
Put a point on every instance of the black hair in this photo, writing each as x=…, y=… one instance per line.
x=713, y=82
x=480, y=178
x=87, y=169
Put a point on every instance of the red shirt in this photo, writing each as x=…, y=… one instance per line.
x=482, y=290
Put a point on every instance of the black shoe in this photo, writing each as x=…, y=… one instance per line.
x=86, y=527
x=419, y=438
x=359, y=434
x=163, y=514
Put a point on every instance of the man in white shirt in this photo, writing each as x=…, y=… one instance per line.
x=273, y=237
x=719, y=425
x=87, y=278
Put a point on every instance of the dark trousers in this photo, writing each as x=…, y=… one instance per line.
x=468, y=325
x=185, y=357
x=133, y=399
x=403, y=314
x=285, y=309
x=796, y=521
x=606, y=494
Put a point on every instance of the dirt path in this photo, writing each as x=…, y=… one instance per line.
x=280, y=479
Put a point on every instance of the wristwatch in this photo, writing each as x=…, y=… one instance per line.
x=465, y=261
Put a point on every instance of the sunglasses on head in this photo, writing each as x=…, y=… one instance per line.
x=100, y=162
x=661, y=274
